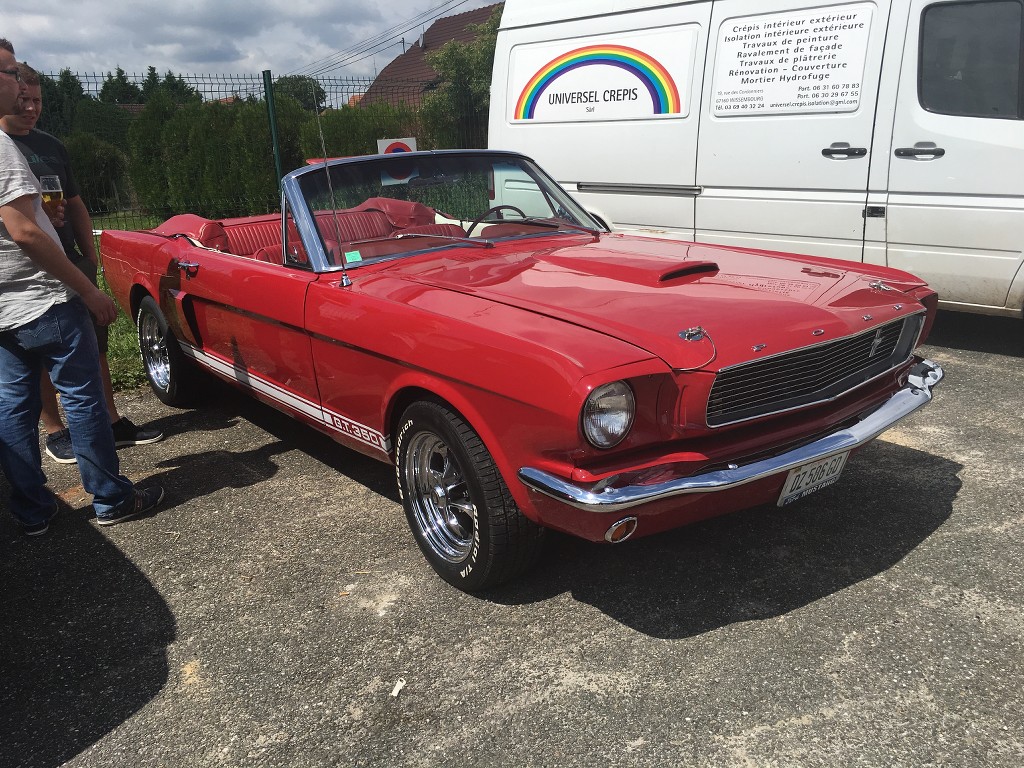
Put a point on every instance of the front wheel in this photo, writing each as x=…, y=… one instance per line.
x=457, y=504
x=170, y=375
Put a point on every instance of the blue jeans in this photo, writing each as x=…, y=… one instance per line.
x=63, y=342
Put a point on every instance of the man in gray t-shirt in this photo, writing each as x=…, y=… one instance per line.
x=44, y=323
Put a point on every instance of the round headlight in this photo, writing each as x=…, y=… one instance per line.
x=608, y=414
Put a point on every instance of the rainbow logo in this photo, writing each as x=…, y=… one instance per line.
x=657, y=80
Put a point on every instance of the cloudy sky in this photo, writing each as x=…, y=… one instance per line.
x=219, y=36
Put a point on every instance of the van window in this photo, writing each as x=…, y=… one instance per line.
x=971, y=59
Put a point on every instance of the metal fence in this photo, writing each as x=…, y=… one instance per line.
x=147, y=146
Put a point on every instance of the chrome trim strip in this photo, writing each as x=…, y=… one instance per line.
x=916, y=394
x=671, y=190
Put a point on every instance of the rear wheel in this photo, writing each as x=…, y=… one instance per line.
x=457, y=504
x=170, y=374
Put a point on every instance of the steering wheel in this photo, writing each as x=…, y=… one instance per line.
x=488, y=212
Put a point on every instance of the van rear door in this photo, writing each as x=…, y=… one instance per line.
x=955, y=213
x=787, y=125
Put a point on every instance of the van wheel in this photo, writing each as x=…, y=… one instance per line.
x=171, y=376
x=457, y=504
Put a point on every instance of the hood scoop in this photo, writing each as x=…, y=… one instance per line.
x=638, y=268
x=690, y=269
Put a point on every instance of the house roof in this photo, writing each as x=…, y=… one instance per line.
x=409, y=75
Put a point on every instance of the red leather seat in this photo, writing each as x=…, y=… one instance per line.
x=206, y=232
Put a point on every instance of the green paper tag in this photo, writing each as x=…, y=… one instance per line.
x=351, y=256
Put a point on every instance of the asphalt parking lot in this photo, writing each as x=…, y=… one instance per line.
x=276, y=612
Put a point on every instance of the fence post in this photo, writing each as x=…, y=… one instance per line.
x=268, y=89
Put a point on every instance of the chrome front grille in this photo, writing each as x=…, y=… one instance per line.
x=810, y=375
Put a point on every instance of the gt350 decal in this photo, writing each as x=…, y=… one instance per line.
x=356, y=431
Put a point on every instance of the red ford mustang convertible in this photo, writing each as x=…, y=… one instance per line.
x=458, y=314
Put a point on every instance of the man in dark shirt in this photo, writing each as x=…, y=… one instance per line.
x=47, y=156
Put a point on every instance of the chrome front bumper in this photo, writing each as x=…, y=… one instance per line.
x=915, y=394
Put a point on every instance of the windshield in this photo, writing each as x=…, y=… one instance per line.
x=389, y=206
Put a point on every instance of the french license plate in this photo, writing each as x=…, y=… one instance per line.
x=812, y=477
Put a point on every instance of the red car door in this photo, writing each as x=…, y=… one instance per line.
x=244, y=320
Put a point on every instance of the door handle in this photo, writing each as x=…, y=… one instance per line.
x=925, y=150
x=840, y=150
x=190, y=268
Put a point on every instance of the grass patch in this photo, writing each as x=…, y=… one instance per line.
x=126, y=371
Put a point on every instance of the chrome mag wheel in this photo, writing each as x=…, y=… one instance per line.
x=441, y=507
x=153, y=345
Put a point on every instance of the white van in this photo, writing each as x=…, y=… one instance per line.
x=884, y=131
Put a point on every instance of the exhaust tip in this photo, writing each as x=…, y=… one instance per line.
x=621, y=530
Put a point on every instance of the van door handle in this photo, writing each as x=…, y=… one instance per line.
x=926, y=150
x=840, y=150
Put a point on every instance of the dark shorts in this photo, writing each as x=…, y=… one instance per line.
x=87, y=268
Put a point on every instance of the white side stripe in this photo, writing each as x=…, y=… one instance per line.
x=334, y=421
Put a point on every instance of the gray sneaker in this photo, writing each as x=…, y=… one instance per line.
x=142, y=502
x=58, y=447
x=38, y=529
x=127, y=433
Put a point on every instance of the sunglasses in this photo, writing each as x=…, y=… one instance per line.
x=13, y=73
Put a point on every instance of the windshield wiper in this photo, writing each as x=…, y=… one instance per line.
x=471, y=240
x=550, y=221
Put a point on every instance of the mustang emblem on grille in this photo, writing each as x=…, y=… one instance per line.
x=875, y=343
x=758, y=347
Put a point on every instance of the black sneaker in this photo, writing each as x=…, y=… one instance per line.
x=58, y=447
x=141, y=503
x=126, y=433
x=38, y=529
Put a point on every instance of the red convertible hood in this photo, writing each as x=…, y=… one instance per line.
x=648, y=292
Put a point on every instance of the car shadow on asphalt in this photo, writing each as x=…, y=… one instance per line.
x=195, y=474
x=83, y=635
x=759, y=563
x=368, y=472
x=747, y=566
x=978, y=333
x=83, y=632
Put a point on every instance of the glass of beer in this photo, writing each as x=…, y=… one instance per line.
x=52, y=192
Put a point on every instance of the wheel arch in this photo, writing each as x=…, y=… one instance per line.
x=135, y=296
x=445, y=395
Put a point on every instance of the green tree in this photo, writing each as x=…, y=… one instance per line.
x=105, y=121
x=305, y=90
x=173, y=86
x=251, y=151
x=355, y=130
x=150, y=85
x=118, y=89
x=145, y=150
x=183, y=172
x=60, y=102
x=179, y=90
x=102, y=172
x=455, y=113
x=219, y=190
